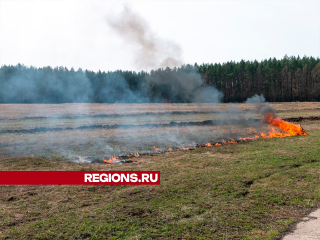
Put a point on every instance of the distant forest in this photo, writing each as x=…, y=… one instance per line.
x=287, y=79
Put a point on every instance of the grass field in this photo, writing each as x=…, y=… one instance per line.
x=250, y=190
x=73, y=130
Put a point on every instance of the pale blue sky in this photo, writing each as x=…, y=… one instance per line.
x=76, y=34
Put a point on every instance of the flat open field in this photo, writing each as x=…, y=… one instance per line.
x=99, y=130
x=250, y=190
x=18, y=111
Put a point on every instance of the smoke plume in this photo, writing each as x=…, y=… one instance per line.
x=77, y=130
x=261, y=104
x=151, y=51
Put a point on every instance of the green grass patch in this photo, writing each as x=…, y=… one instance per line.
x=251, y=190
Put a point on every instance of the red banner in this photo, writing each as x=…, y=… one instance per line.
x=79, y=177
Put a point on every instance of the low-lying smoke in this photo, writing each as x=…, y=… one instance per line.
x=175, y=85
x=70, y=130
x=60, y=85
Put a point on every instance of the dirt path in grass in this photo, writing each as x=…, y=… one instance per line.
x=308, y=228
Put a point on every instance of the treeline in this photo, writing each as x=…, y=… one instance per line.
x=287, y=79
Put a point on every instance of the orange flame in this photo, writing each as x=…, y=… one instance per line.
x=232, y=141
x=288, y=130
x=113, y=159
x=135, y=154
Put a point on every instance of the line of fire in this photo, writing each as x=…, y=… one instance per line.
x=277, y=128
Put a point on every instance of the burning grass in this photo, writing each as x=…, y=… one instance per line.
x=287, y=130
x=93, y=136
x=253, y=189
x=250, y=190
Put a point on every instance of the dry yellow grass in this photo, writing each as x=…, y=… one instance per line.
x=252, y=190
x=52, y=110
